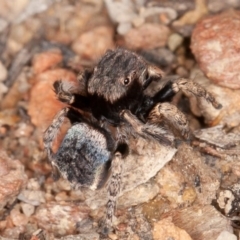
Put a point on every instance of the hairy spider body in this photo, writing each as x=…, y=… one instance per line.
x=115, y=106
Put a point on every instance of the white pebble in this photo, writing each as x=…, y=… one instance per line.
x=123, y=28
x=225, y=235
x=174, y=41
x=27, y=209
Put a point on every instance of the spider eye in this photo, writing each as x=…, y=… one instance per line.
x=126, y=81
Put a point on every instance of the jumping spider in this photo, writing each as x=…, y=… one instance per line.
x=109, y=105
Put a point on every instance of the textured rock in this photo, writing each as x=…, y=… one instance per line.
x=215, y=44
x=187, y=178
x=147, y=36
x=12, y=179
x=201, y=222
x=93, y=44
x=165, y=229
x=61, y=218
x=217, y=137
x=138, y=168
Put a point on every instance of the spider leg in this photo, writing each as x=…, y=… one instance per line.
x=68, y=93
x=52, y=131
x=148, y=130
x=188, y=87
x=173, y=116
x=114, y=188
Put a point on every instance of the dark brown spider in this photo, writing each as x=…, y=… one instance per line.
x=113, y=106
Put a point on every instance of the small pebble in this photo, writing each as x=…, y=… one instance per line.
x=32, y=197
x=27, y=209
x=3, y=24
x=18, y=218
x=24, y=130
x=174, y=41
x=62, y=196
x=147, y=36
x=122, y=227
x=112, y=236
x=3, y=72
x=165, y=229
x=138, y=21
x=33, y=184
x=3, y=89
x=218, y=6
x=94, y=43
x=225, y=235
x=123, y=28
x=182, y=72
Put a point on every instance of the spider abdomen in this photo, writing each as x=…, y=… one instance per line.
x=84, y=157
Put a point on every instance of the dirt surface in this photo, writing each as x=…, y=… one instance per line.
x=187, y=191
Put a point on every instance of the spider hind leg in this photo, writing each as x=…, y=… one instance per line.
x=50, y=135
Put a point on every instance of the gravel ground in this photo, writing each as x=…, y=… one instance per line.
x=188, y=192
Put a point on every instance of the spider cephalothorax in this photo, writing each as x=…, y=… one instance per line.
x=112, y=96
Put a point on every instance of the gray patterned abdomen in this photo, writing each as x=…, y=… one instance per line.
x=84, y=157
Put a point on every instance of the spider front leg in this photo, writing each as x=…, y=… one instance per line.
x=188, y=87
x=68, y=93
x=173, y=116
